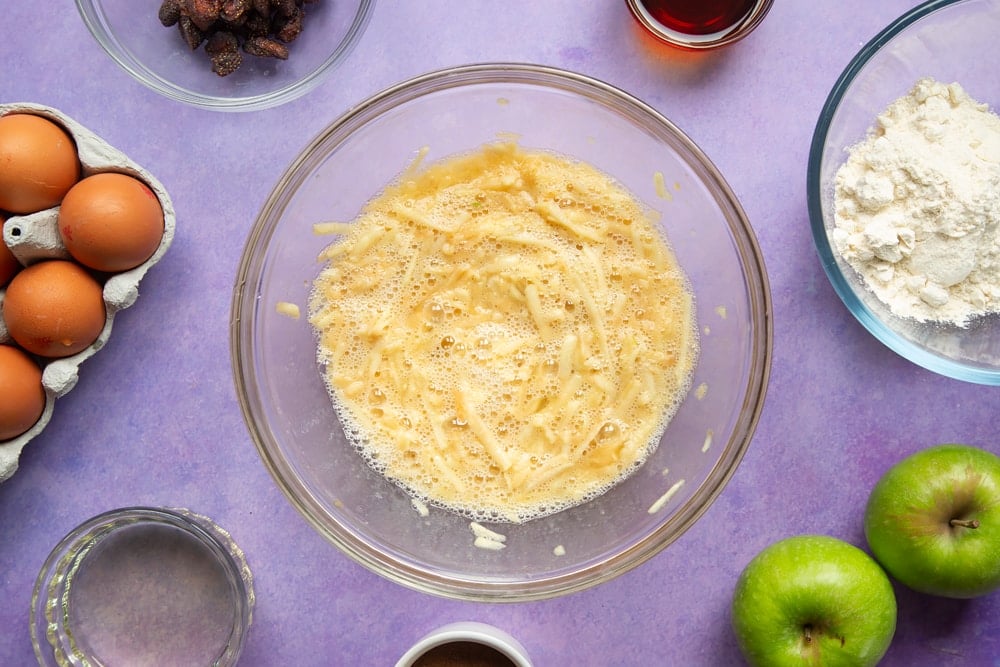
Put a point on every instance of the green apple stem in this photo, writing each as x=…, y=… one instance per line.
x=964, y=523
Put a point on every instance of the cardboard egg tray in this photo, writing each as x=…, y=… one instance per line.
x=35, y=237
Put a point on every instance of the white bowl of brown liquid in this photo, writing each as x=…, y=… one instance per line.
x=466, y=643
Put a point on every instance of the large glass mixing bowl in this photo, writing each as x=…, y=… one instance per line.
x=290, y=415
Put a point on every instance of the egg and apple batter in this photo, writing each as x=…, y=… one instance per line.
x=504, y=333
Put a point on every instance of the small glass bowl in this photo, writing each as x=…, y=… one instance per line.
x=288, y=409
x=143, y=585
x=501, y=648
x=131, y=33
x=951, y=41
x=694, y=41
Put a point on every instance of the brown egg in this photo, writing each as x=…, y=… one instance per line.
x=111, y=222
x=22, y=398
x=54, y=308
x=38, y=163
x=8, y=263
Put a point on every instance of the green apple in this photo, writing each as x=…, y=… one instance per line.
x=933, y=521
x=813, y=600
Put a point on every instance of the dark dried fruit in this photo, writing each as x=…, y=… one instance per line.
x=262, y=8
x=227, y=62
x=234, y=11
x=291, y=28
x=170, y=12
x=229, y=28
x=190, y=32
x=265, y=47
x=203, y=13
x=284, y=8
x=221, y=42
x=256, y=26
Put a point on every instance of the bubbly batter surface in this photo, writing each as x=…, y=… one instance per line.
x=505, y=333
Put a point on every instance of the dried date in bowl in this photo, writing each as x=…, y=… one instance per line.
x=229, y=28
x=179, y=67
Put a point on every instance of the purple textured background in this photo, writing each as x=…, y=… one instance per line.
x=154, y=419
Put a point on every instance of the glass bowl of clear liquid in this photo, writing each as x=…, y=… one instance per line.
x=143, y=586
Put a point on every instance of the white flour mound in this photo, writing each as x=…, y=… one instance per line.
x=917, y=206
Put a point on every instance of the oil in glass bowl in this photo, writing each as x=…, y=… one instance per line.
x=143, y=586
x=148, y=592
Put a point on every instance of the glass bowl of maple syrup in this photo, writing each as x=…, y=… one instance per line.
x=699, y=24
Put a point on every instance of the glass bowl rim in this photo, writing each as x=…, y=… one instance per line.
x=411, y=573
x=77, y=542
x=868, y=319
x=93, y=14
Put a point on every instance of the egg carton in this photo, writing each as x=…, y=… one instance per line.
x=35, y=237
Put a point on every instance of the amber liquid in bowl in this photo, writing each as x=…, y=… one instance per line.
x=699, y=24
x=699, y=17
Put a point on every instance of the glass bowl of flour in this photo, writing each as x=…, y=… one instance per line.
x=904, y=188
